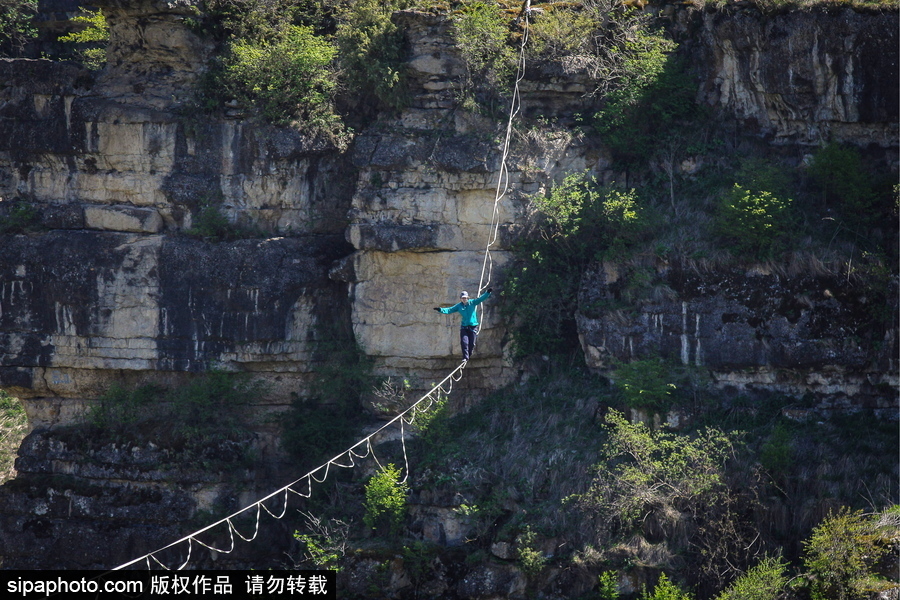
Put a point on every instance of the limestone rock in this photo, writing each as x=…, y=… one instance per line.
x=754, y=331
x=805, y=77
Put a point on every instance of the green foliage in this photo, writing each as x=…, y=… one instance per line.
x=582, y=222
x=18, y=216
x=431, y=424
x=645, y=383
x=666, y=590
x=326, y=420
x=325, y=541
x=284, y=79
x=607, y=586
x=766, y=581
x=371, y=52
x=225, y=20
x=753, y=223
x=385, y=501
x=91, y=40
x=843, y=550
x=651, y=102
x=212, y=225
x=119, y=408
x=16, y=25
x=418, y=557
x=209, y=409
x=531, y=560
x=319, y=550
x=480, y=32
x=776, y=455
x=839, y=173
x=643, y=470
x=13, y=426
x=559, y=33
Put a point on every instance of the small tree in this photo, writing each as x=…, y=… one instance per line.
x=766, y=581
x=91, y=40
x=645, y=383
x=753, y=222
x=607, y=586
x=285, y=78
x=16, y=25
x=385, y=502
x=480, y=32
x=844, y=549
x=665, y=590
x=371, y=54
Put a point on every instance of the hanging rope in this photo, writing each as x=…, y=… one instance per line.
x=347, y=458
x=503, y=178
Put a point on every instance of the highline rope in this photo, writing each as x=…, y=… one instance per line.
x=345, y=459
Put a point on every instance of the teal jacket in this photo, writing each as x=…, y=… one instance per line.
x=467, y=311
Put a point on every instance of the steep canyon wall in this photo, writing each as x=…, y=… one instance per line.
x=370, y=238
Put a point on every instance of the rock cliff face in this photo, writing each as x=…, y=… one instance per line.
x=755, y=331
x=375, y=236
x=803, y=78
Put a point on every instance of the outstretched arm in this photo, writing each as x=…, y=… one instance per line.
x=482, y=297
x=447, y=311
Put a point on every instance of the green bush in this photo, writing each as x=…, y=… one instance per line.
x=644, y=470
x=16, y=25
x=372, y=52
x=285, y=79
x=18, y=216
x=231, y=20
x=559, y=33
x=645, y=383
x=531, y=560
x=843, y=551
x=385, y=501
x=607, y=586
x=665, y=590
x=652, y=101
x=753, y=223
x=838, y=172
x=766, y=581
x=581, y=222
x=480, y=32
x=90, y=42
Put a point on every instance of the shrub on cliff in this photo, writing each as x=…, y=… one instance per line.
x=481, y=33
x=371, y=52
x=843, y=553
x=284, y=80
x=753, y=223
x=386, y=500
x=16, y=25
x=580, y=222
x=90, y=39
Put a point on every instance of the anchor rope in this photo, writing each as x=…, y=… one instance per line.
x=350, y=454
x=503, y=175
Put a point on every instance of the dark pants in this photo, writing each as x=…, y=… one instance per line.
x=467, y=336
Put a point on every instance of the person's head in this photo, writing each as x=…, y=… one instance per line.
x=464, y=297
